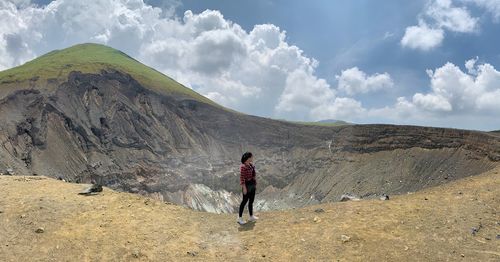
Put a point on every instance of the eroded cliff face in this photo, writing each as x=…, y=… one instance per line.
x=108, y=128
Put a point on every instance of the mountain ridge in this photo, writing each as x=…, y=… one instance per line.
x=92, y=58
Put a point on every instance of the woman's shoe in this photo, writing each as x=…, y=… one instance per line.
x=241, y=221
x=253, y=218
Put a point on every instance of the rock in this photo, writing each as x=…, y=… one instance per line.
x=348, y=197
x=136, y=253
x=192, y=253
x=319, y=210
x=10, y=171
x=345, y=238
x=317, y=219
x=475, y=230
x=40, y=230
x=92, y=190
x=384, y=197
x=22, y=216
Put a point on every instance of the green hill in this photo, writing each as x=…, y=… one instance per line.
x=92, y=58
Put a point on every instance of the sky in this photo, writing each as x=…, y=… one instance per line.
x=422, y=62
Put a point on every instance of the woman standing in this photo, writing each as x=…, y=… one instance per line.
x=248, y=185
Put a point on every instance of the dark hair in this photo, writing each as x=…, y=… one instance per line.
x=245, y=157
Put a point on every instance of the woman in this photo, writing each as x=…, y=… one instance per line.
x=248, y=185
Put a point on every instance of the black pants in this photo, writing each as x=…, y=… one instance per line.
x=248, y=197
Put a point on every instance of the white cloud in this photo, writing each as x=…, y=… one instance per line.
x=449, y=17
x=438, y=16
x=453, y=93
x=302, y=94
x=492, y=6
x=431, y=102
x=309, y=98
x=456, y=91
x=344, y=108
x=422, y=37
x=353, y=81
x=20, y=3
x=455, y=98
x=470, y=65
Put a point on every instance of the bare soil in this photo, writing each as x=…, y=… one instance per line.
x=435, y=224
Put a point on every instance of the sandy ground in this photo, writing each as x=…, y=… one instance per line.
x=431, y=225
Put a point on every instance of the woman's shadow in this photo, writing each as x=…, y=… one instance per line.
x=247, y=226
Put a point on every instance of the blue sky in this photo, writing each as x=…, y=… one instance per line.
x=357, y=60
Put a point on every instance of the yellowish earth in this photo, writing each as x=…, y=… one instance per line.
x=430, y=225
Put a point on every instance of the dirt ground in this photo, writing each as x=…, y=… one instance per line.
x=435, y=224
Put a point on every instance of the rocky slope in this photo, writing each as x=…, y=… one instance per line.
x=42, y=219
x=126, y=127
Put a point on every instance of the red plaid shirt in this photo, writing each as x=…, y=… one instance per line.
x=247, y=173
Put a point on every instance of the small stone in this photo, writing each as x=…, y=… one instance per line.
x=319, y=210
x=462, y=255
x=384, y=197
x=40, y=230
x=263, y=255
x=136, y=253
x=345, y=238
x=22, y=216
x=348, y=197
x=317, y=219
x=406, y=248
x=192, y=253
